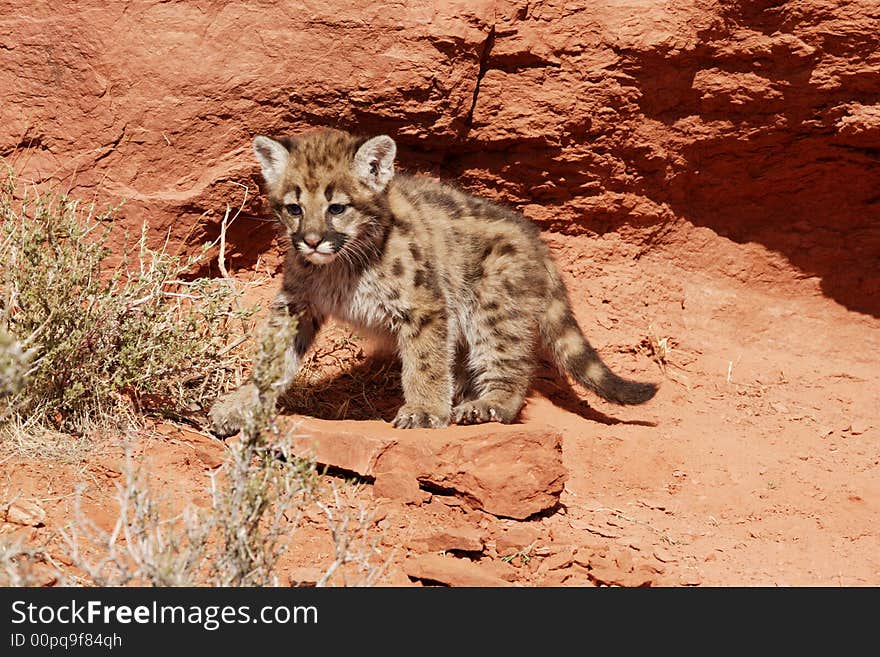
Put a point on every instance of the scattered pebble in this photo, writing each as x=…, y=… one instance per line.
x=22, y=512
x=663, y=555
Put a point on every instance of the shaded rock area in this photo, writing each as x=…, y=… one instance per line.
x=756, y=120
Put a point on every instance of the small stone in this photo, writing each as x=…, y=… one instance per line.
x=554, y=578
x=857, y=428
x=450, y=571
x=577, y=576
x=500, y=569
x=463, y=539
x=400, y=486
x=624, y=560
x=516, y=538
x=594, y=529
x=653, y=504
x=653, y=567
x=583, y=557
x=22, y=512
x=380, y=512
x=305, y=577
x=396, y=577
x=212, y=459
x=44, y=575
x=642, y=575
x=561, y=559
x=662, y=554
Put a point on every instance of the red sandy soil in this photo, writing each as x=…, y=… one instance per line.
x=756, y=464
x=706, y=171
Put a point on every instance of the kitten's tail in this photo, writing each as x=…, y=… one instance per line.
x=575, y=355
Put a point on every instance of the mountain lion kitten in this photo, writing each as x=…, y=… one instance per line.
x=464, y=287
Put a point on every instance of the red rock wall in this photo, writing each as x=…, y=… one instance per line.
x=759, y=120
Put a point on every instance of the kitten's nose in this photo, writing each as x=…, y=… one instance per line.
x=312, y=239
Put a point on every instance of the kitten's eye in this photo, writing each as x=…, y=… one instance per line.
x=293, y=209
x=336, y=208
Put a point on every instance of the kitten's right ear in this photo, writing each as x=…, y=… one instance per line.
x=273, y=157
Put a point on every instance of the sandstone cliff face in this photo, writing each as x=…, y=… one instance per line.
x=759, y=120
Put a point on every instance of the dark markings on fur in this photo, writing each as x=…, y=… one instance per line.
x=507, y=249
x=535, y=284
x=415, y=252
x=397, y=267
x=501, y=382
x=336, y=240
x=583, y=359
x=328, y=193
x=426, y=277
x=494, y=320
x=423, y=322
x=609, y=385
x=495, y=212
x=491, y=305
x=566, y=322
x=501, y=334
x=509, y=364
x=473, y=274
x=440, y=200
x=290, y=143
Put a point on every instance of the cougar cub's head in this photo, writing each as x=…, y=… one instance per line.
x=327, y=189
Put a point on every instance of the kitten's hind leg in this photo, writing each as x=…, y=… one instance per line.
x=501, y=364
x=426, y=371
x=463, y=381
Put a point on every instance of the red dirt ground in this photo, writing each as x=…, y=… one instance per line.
x=758, y=463
x=706, y=171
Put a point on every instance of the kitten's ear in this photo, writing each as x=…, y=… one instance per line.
x=273, y=156
x=374, y=162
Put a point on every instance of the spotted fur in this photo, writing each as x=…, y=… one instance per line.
x=464, y=287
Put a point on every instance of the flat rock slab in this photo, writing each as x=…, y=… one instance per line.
x=451, y=538
x=450, y=571
x=513, y=471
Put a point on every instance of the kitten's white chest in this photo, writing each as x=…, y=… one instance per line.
x=366, y=305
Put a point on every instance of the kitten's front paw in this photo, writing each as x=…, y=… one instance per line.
x=225, y=416
x=415, y=417
x=480, y=411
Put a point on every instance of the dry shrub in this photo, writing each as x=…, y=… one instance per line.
x=257, y=498
x=83, y=344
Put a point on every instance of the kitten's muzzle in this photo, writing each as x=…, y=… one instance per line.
x=312, y=239
x=318, y=248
